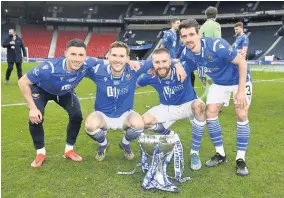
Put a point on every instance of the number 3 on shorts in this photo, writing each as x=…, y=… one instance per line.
x=248, y=88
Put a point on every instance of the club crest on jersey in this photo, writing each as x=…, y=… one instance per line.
x=128, y=76
x=61, y=78
x=105, y=79
x=210, y=58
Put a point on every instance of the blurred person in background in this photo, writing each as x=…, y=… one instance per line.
x=15, y=46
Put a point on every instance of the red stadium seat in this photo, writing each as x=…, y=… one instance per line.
x=37, y=39
x=99, y=43
x=64, y=37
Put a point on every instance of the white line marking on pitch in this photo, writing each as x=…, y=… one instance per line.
x=144, y=92
x=84, y=98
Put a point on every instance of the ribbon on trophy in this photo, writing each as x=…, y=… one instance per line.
x=156, y=172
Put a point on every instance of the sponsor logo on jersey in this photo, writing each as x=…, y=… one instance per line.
x=66, y=87
x=115, y=92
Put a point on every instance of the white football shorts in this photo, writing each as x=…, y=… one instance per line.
x=168, y=114
x=220, y=94
x=115, y=123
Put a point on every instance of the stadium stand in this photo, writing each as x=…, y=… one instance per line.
x=174, y=10
x=278, y=50
x=198, y=8
x=261, y=38
x=99, y=43
x=64, y=37
x=270, y=5
x=228, y=34
x=73, y=12
x=149, y=36
x=233, y=6
x=109, y=12
x=37, y=39
x=156, y=8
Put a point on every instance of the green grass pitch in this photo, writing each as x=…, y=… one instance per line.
x=59, y=177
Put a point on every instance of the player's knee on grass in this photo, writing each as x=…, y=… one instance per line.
x=212, y=110
x=93, y=122
x=149, y=120
x=242, y=114
x=199, y=110
x=135, y=121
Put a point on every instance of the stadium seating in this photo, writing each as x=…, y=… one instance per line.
x=149, y=36
x=73, y=12
x=261, y=38
x=64, y=37
x=278, y=50
x=37, y=39
x=228, y=34
x=110, y=12
x=99, y=43
x=5, y=30
x=156, y=8
x=198, y=7
x=233, y=6
x=270, y=5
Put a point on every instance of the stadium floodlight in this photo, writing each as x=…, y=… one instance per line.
x=90, y=9
x=6, y=10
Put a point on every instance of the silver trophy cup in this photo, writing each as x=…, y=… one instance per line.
x=160, y=149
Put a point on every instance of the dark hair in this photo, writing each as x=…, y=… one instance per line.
x=119, y=44
x=239, y=24
x=189, y=24
x=211, y=12
x=75, y=43
x=161, y=50
x=173, y=20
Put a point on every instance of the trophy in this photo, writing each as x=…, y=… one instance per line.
x=160, y=149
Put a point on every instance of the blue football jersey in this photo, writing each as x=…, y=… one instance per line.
x=170, y=90
x=53, y=77
x=115, y=96
x=241, y=41
x=180, y=49
x=169, y=41
x=215, y=61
